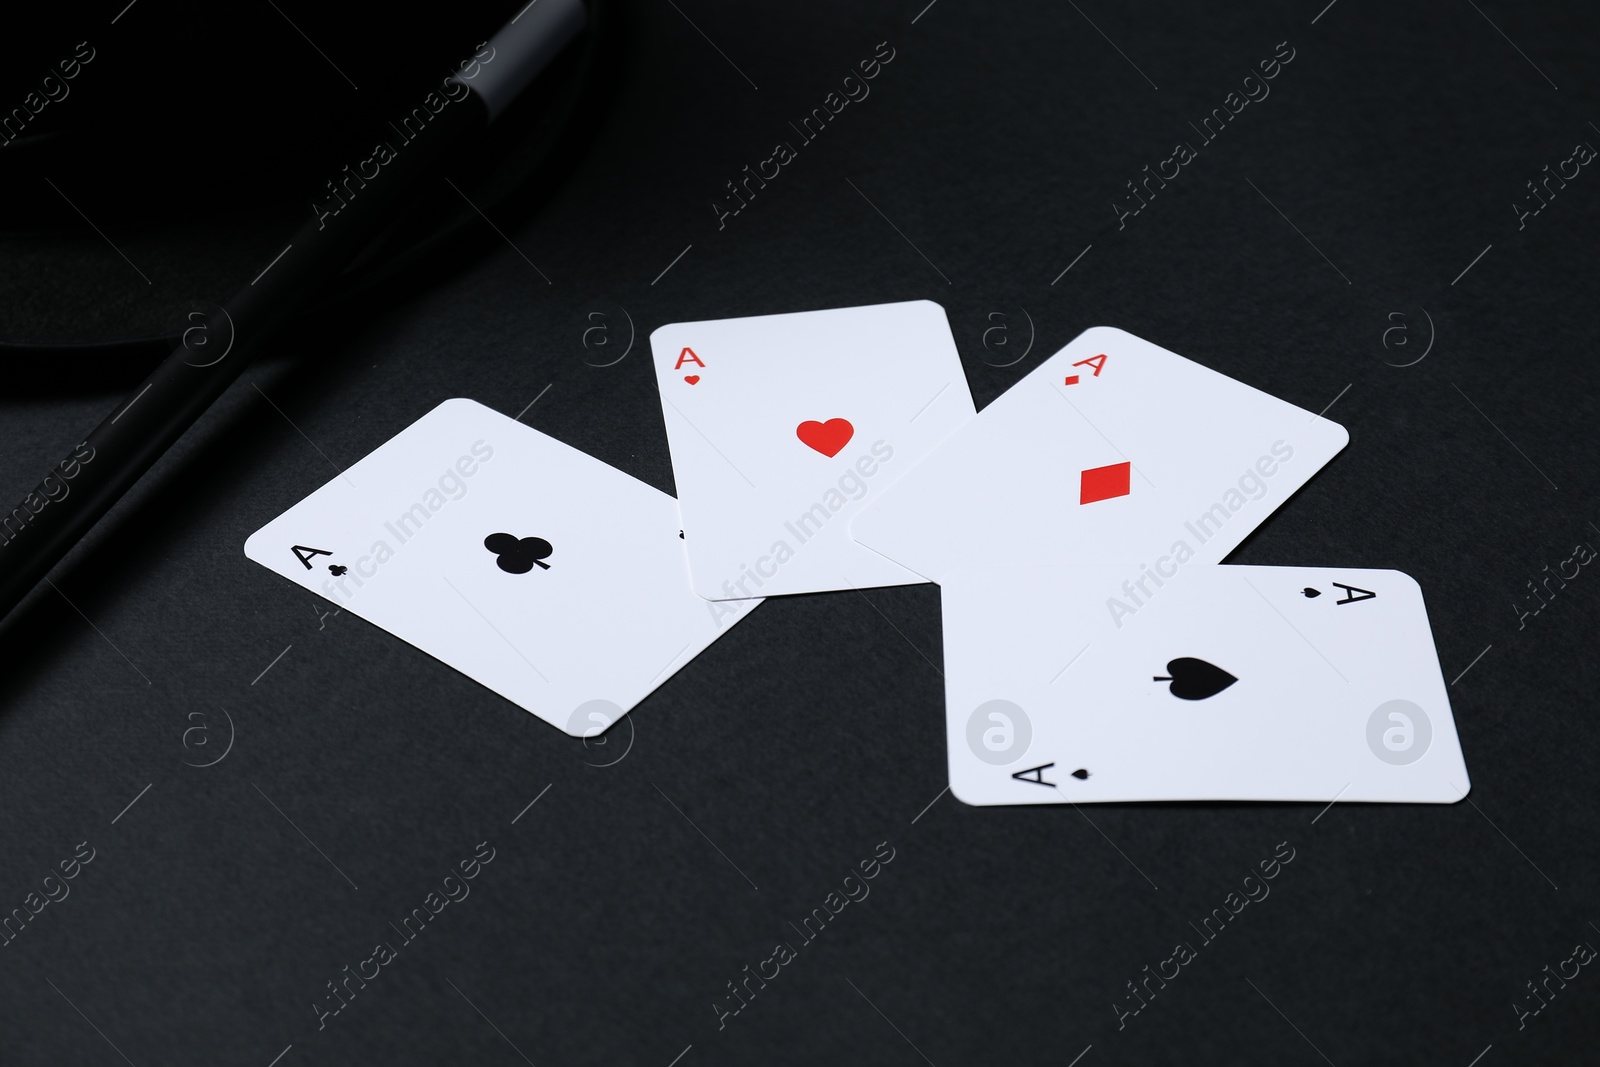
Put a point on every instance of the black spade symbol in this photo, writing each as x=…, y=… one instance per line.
x=1195, y=679
x=1080, y=774
x=517, y=555
x=1310, y=593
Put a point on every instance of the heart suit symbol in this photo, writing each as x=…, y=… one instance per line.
x=826, y=437
x=691, y=378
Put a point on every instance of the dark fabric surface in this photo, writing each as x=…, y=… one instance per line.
x=616, y=910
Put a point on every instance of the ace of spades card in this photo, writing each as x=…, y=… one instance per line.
x=1099, y=684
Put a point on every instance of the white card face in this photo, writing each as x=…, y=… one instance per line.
x=578, y=606
x=1063, y=685
x=1113, y=450
x=783, y=426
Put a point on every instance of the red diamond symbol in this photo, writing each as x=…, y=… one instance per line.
x=1104, y=483
x=1072, y=379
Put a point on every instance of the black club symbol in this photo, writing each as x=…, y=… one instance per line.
x=518, y=555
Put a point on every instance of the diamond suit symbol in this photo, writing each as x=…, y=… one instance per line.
x=1104, y=483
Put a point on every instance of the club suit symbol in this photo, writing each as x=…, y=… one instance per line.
x=518, y=555
x=1195, y=679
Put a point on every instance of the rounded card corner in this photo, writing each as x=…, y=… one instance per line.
x=456, y=403
x=1094, y=334
x=1408, y=581
x=955, y=791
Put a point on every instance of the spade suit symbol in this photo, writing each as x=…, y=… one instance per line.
x=517, y=555
x=1309, y=593
x=1195, y=679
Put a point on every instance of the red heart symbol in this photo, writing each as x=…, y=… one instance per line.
x=826, y=437
x=691, y=378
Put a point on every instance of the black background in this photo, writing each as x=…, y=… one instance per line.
x=996, y=140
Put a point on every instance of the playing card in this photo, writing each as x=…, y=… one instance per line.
x=783, y=426
x=552, y=578
x=1112, y=450
x=1110, y=683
